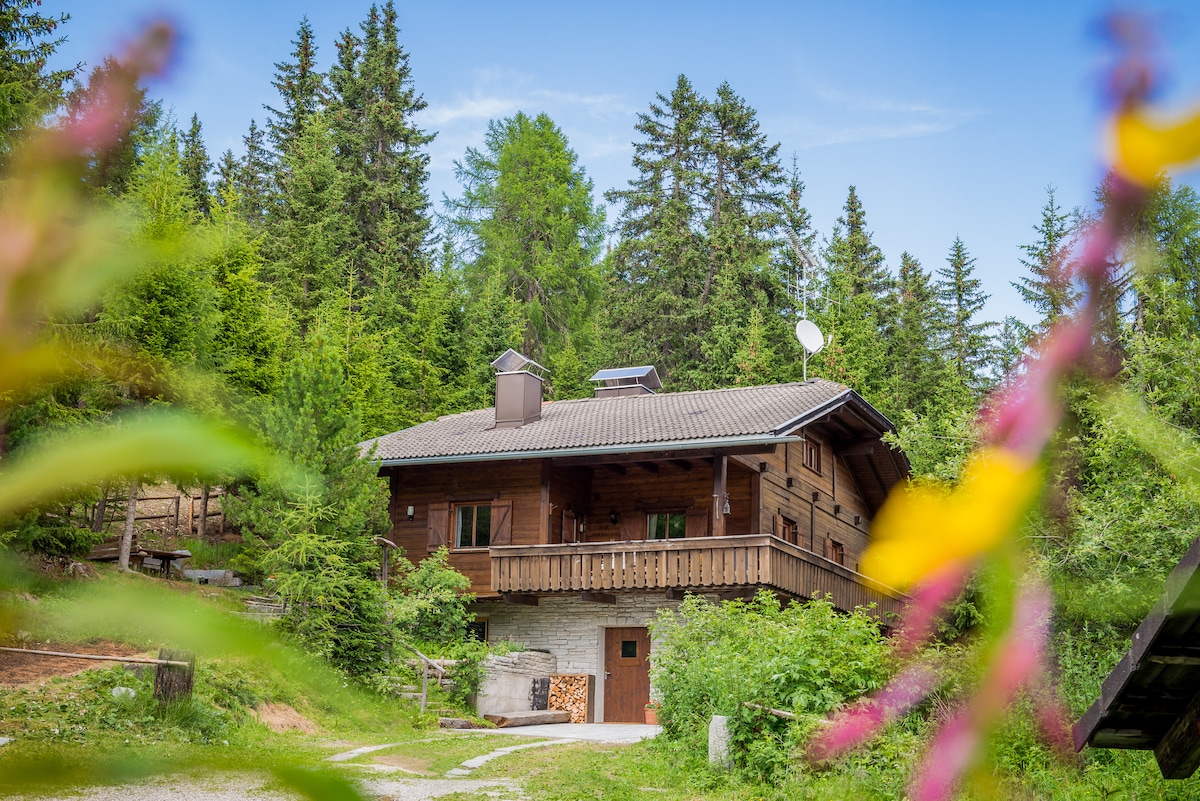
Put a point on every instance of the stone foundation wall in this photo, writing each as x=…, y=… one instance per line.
x=572, y=629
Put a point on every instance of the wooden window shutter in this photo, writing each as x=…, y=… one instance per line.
x=777, y=525
x=697, y=522
x=439, y=526
x=633, y=526
x=501, y=523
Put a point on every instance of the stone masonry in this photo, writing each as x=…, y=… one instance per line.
x=572, y=629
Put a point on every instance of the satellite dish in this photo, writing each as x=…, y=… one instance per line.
x=811, y=338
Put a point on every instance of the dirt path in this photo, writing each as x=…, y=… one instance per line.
x=27, y=668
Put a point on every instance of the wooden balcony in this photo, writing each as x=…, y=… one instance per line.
x=702, y=564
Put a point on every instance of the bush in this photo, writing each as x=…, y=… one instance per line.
x=804, y=658
x=433, y=605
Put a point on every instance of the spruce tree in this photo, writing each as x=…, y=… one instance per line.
x=301, y=87
x=254, y=178
x=961, y=294
x=1048, y=287
x=857, y=306
x=380, y=149
x=709, y=197
x=922, y=374
x=28, y=91
x=111, y=154
x=316, y=538
x=197, y=166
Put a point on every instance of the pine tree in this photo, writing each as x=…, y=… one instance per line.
x=961, y=294
x=380, y=150
x=197, y=166
x=316, y=539
x=28, y=91
x=709, y=197
x=857, y=307
x=301, y=88
x=922, y=374
x=1048, y=288
x=254, y=178
x=528, y=213
x=112, y=153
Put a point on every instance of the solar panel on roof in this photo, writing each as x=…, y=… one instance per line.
x=623, y=375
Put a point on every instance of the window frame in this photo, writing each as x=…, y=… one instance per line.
x=669, y=514
x=837, y=552
x=456, y=510
x=812, y=455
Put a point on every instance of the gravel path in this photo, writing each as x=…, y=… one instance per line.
x=242, y=787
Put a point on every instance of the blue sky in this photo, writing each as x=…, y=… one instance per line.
x=951, y=118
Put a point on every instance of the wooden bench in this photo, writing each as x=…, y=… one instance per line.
x=110, y=551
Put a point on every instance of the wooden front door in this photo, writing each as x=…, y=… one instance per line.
x=626, y=674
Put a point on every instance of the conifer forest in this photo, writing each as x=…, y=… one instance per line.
x=306, y=288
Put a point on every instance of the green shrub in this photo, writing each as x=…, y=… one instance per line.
x=432, y=606
x=804, y=658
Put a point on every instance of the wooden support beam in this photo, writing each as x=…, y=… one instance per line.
x=519, y=598
x=1178, y=752
x=720, y=474
x=741, y=593
x=1172, y=659
x=682, y=464
x=599, y=598
x=863, y=447
x=649, y=467
x=616, y=468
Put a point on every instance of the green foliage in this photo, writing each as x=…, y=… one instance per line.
x=28, y=91
x=38, y=532
x=315, y=540
x=528, y=213
x=806, y=658
x=432, y=604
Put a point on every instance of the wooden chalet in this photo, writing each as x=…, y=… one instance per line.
x=576, y=520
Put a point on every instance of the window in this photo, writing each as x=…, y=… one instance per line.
x=812, y=455
x=472, y=526
x=789, y=531
x=837, y=552
x=666, y=525
x=477, y=630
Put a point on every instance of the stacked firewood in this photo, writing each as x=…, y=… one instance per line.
x=573, y=694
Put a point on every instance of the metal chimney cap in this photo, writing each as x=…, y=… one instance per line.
x=511, y=362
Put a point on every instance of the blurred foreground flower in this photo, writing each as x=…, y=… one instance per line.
x=932, y=538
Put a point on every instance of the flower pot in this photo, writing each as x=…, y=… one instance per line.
x=652, y=715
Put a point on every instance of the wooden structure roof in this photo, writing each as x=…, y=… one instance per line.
x=1151, y=699
x=751, y=418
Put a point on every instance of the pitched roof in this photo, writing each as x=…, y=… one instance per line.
x=668, y=421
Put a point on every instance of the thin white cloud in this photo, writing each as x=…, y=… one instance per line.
x=499, y=93
x=851, y=116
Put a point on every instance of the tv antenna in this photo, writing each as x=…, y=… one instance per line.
x=810, y=337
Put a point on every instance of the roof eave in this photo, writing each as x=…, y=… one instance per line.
x=714, y=443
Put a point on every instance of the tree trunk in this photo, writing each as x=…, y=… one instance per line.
x=101, y=510
x=127, y=534
x=203, y=526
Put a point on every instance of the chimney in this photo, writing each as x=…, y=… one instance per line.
x=626, y=381
x=518, y=390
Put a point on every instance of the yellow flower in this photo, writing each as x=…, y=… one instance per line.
x=1142, y=146
x=921, y=530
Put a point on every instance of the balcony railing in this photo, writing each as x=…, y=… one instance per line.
x=702, y=564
